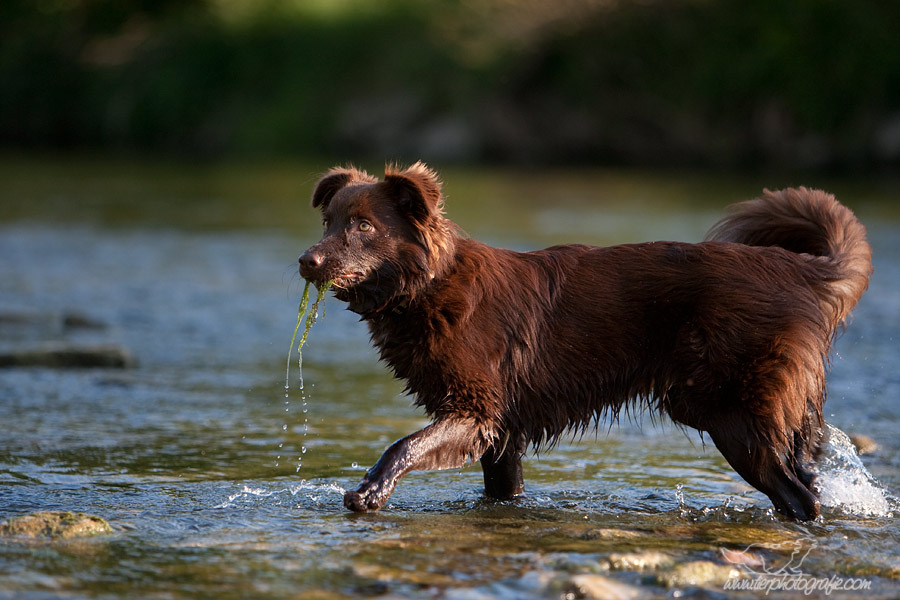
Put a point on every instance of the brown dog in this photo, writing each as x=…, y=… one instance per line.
x=507, y=349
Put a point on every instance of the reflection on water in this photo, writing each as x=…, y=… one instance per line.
x=194, y=271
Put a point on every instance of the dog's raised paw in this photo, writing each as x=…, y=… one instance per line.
x=363, y=499
x=354, y=501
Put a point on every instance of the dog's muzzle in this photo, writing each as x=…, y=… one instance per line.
x=311, y=263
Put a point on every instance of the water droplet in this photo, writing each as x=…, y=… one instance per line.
x=284, y=427
x=354, y=465
x=303, y=449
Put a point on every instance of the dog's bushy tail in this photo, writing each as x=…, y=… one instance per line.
x=810, y=222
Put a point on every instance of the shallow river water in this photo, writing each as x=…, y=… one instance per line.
x=218, y=486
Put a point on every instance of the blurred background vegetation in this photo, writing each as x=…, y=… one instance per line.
x=811, y=84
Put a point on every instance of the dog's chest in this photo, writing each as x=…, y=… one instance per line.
x=400, y=341
x=408, y=344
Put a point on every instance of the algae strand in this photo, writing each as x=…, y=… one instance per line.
x=311, y=313
x=301, y=310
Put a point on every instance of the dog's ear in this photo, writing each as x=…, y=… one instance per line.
x=335, y=180
x=417, y=190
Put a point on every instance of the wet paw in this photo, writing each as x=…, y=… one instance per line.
x=367, y=497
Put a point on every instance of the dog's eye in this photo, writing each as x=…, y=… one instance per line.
x=364, y=226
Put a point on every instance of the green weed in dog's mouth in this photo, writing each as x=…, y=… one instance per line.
x=311, y=314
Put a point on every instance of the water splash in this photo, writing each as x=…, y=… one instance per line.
x=844, y=483
x=679, y=498
x=307, y=493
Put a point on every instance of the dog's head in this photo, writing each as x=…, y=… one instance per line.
x=384, y=241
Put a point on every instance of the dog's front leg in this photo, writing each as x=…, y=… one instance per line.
x=502, y=468
x=445, y=444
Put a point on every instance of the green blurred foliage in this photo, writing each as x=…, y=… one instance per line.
x=813, y=83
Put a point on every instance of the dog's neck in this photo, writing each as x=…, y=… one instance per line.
x=441, y=243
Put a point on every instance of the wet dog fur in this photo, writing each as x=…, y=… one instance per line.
x=506, y=350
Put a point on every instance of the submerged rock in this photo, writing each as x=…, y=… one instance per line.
x=14, y=318
x=55, y=525
x=639, y=561
x=602, y=588
x=37, y=322
x=699, y=573
x=77, y=320
x=62, y=356
x=743, y=558
x=864, y=444
x=605, y=533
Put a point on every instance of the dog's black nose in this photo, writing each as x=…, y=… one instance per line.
x=310, y=261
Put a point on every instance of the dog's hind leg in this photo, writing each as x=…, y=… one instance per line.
x=445, y=444
x=503, y=470
x=808, y=444
x=765, y=469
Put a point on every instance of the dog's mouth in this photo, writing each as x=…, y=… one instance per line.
x=347, y=280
